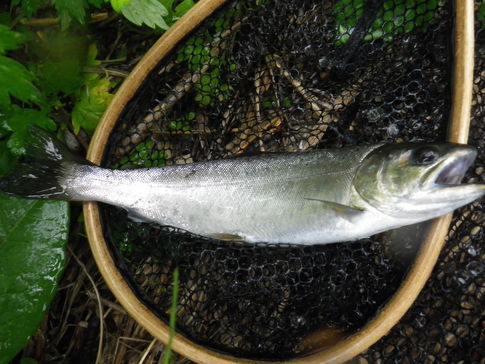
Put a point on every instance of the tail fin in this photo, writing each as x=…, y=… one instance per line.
x=42, y=174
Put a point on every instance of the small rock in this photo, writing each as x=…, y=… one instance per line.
x=471, y=288
x=437, y=348
x=389, y=349
x=467, y=305
x=141, y=127
x=450, y=339
x=125, y=141
x=462, y=330
x=147, y=269
x=136, y=139
x=475, y=230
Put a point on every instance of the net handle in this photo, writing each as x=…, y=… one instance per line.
x=400, y=302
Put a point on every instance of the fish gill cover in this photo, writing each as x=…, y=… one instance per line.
x=261, y=76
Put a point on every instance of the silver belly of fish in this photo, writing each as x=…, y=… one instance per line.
x=277, y=198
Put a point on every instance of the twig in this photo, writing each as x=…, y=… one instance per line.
x=108, y=303
x=324, y=111
x=106, y=71
x=150, y=125
x=189, y=79
x=147, y=351
x=47, y=22
x=100, y=306
x=317, y=105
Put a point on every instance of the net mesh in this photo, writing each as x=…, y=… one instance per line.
x=261, y=76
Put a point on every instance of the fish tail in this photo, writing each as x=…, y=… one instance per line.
x=45, y=168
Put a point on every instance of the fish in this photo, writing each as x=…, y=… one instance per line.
x=314, y=197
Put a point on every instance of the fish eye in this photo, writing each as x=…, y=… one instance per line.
x=423, y=157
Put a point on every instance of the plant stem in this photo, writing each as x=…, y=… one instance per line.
x=106, y=71
x=173, y=316
x=47, y=22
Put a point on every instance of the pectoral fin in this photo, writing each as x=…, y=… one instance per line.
x=135, y=217
x=348, y=213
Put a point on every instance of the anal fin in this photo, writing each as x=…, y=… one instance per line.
x=226, y=237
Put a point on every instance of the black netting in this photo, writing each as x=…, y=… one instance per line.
x=280, y=75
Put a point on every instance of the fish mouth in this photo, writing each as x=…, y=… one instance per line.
x=450, y=171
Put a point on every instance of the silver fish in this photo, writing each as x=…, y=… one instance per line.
x=315, y=197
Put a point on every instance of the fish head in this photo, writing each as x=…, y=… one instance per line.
x=417, y=179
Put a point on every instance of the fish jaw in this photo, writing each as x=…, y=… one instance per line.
x=442, y=189
x=446, y=198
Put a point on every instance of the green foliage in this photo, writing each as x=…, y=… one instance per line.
x=16, y=81
x=33, y=235
x=143, y=155
x=69, y=10
x=147, y=12
x=183, y=7
x=7, y=159
x=481, y=14
x=61, y=57
x=175, y=10
x=395, y=17
x=77, y=10
x=17, y=120
x=92, y=99
x=182, y=124
x=28, y=361
x=211, y=86
x=118, y=4
x=173, y=316
x=10, y=40
x=28, y=7
x=97, y=3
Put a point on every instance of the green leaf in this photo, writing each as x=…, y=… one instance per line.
x=96, y=3
x=167, y=354
x=33, y=235
x=61, y=58
x=143, y=155
x=183, y=7
x=168, y=4
x=481, y=13
x=69, y=10
x=7, y=160
x=148, y=12
x=18, y=120
x=91, y=60
x=29, y=7
x=10, y=40
x=16, y=81
x=394, y=18
x=62, y=76
x=118, y=4
x=92, y=102
x=28, y=361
